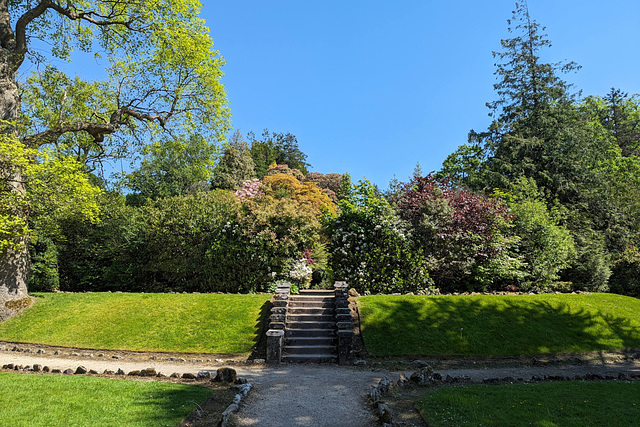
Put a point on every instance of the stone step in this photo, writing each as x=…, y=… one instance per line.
x=311, y=298
x=311, y=303
x=309, y=349
x=310, y=358
x=315, y=333
x=310, y=341
x=299, y=317
x=322, y=311
x=310, y=325
x=317, y=292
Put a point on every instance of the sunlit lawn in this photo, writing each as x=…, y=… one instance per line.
x=52, y=400
x=198, y=323
x=485, y=325
x=578, y=404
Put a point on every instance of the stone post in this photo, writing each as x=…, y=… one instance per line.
x=344, y=324
x=277, y=320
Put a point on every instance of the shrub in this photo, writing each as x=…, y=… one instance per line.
x=464, y=235
x=371, y=247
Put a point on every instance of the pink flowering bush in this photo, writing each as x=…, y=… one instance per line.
x=250, y=189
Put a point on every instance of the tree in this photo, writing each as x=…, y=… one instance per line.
x=235, y=166
x=162, y=70
x=278, y=148
x=172, y=167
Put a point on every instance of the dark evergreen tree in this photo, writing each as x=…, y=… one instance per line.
x=278, y=148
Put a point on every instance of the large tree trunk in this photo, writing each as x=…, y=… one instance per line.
x=14, y=264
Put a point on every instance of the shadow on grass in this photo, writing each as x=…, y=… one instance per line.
x=495, y=326
x=260, y=338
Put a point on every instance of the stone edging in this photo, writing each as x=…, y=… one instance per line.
x=425, y=376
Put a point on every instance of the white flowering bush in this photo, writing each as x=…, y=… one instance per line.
x=371, y=247
x=300, y=272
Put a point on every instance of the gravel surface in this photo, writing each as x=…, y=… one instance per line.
x=308, y=395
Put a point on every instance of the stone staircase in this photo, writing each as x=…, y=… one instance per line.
x=310, y=328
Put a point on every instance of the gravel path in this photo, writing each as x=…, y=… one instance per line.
x=303, y=395
x=308, y=395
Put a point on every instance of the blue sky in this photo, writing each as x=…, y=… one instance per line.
x=373, y=87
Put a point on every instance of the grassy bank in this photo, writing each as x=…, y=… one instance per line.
x=198, y=323
x=546, y=404
x=492, y=325
x=51, y=400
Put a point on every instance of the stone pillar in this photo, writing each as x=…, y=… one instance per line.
x=275, y=337
x=344, y=324
x=277, y=320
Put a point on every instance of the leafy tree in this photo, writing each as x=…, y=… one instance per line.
x=278, y=148
x=162, y=71
x=545, y=245
x=235, y=166
x=172, y=167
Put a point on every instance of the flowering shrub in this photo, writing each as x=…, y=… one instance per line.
x=371, y=247
x=463, y=234
x=300, y=272
x=284, y=169
x=306, y=194
x=250, y=189
x=330, y=183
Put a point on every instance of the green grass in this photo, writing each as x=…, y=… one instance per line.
x=51, y=400
x=577, y=404
x=197, y=323
x=493, y=325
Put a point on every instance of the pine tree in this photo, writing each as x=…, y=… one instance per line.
x=235, y=166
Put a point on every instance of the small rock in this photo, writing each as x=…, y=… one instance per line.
x=116, y=357
x=241, y=381
x=403, y=381
x=80, y=370
x=45, y=369
x=219, y=361
x=134, y=373
x=55, y=371
x=119, y=372
x=93, y=372
x=174, y=375
x=188, y=376
x=353, y=293
x=87, y=355
x=100, y=354
x=153, y=358
x=384, y=413
x=75, y=354
x=161, y=375
x=374, y=394
x=181, y=359
x=27, y=368
x=108, y=372
x=149, y=372
x=27, y=350
x=384, y=385
x=68, y=371
x=9, y=366
x=419, y=364
x=56, y=353
x=41, y=351
x=360, y=362
x=171, y=359
x=226, y=375
x=208, y=360
x=203, y=375
x=258, y=361
x=37, y=368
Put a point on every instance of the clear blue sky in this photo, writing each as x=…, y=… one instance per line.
x=372, y=87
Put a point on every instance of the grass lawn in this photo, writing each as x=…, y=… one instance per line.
x=577, y=404
x=496, y=325
x=52, y=400
x=188, y=323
